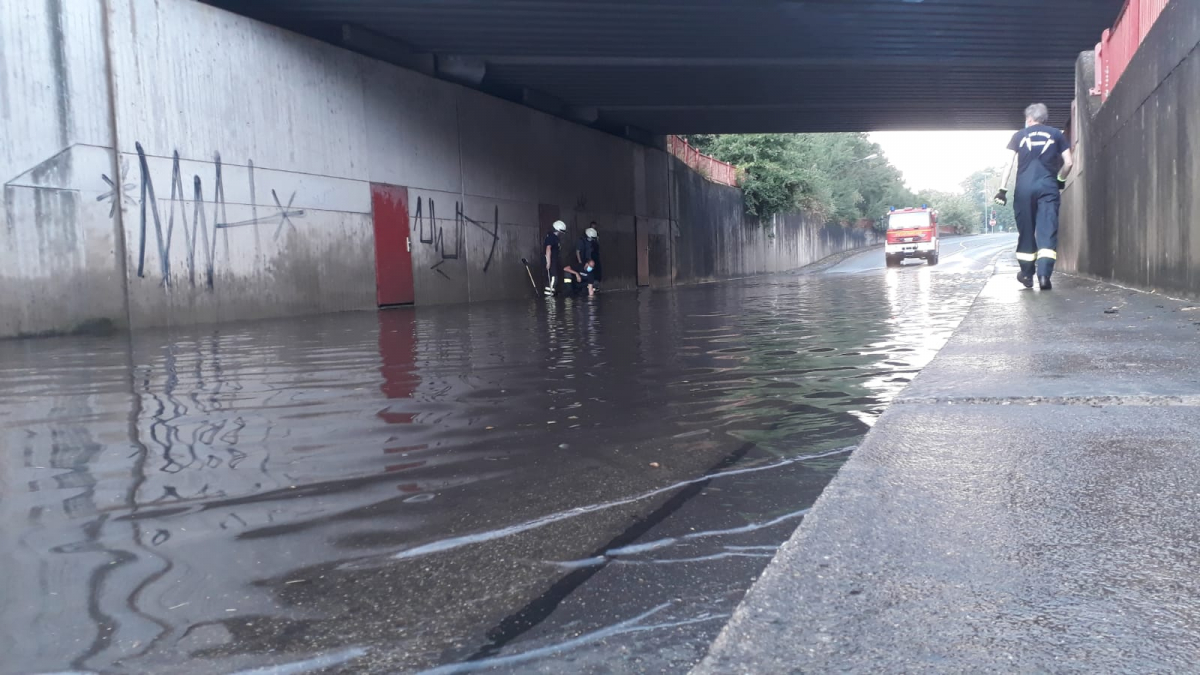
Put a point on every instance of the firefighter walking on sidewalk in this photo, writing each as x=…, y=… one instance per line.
x=1042, y=159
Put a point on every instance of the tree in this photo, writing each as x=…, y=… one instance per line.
x=776, y=176
x=843, y=178
x=982, y=185
x=954, y=210
x=860, y=181
x=701, y=142
x=965, y=211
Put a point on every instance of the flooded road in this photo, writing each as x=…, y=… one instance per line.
x=583, y=484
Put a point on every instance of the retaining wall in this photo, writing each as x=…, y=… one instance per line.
x=1130, y=210
x=717, y=240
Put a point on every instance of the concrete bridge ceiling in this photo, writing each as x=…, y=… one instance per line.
x=729, y=66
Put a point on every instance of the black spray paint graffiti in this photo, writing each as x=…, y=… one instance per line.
x=199, y=223
x=119, y=193
x=198, y=236
x=436, y=234
x=433, y=234
x=284, y=216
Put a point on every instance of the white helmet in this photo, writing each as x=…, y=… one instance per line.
x=560, y=226
x=590, y=232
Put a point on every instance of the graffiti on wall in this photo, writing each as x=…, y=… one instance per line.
x=119, y=193
x=282, y=216
x=187, y=224
x=434, y=234
x=197, y=235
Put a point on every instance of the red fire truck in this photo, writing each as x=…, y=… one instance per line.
x=912, y=233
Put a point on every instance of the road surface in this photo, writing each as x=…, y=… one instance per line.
x=582, y=484
x=958, y=254
x=1027, y=505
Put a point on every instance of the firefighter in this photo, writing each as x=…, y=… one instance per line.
x=551, y=255
x=1042, y=158
x=587, y=252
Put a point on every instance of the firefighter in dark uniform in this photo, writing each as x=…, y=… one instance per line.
x=587, y=249
x=1042, y=158
x=552, y=251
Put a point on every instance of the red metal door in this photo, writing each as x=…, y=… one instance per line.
x=393, y=246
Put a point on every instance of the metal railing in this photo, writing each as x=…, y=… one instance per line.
x=1118, y=44
x=712, y=169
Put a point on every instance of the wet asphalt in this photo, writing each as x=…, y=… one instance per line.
x=581, y=484
x=1027, y=505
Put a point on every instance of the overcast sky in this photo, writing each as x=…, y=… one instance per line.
x=941, y=160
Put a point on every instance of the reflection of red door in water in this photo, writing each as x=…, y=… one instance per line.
x=398, y=356
x=393, y=246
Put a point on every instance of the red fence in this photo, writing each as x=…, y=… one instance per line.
x=712, y=169
x=1118, y=45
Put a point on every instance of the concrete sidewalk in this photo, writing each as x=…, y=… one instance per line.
x=1031, y=503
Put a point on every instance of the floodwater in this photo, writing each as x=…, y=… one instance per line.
x=586, y=484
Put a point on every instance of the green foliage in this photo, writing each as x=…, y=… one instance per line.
x=774, y=177
x=954, y=210
x=964, y=211
x=701, y=142
x=843, y=178
x=982, y=185
x=840, y=177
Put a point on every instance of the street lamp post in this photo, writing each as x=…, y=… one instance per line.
x=983, y=190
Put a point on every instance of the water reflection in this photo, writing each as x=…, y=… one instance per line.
x=265, y=493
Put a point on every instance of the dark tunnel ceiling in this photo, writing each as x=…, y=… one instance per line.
x=696, y=66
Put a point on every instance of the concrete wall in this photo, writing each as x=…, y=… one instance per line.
x=189, y=165
x=1130, y=212
x=58, y=269
x=248, y=147
x=715, y=239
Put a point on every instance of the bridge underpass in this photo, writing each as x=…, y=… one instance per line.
x=715, y=66
x=573, y=484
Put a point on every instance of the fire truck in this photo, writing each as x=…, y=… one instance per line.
x=912, y=233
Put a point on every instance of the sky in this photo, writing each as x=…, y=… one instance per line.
x=941, y=160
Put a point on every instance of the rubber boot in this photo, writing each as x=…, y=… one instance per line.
x=1045, y=269
x=1025, y=276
